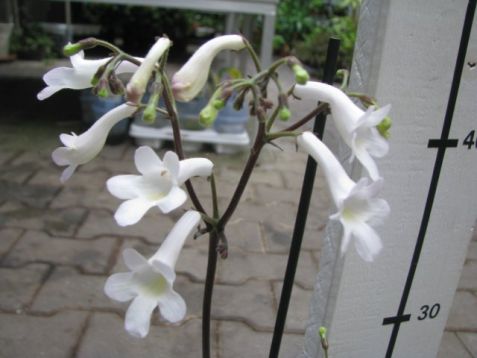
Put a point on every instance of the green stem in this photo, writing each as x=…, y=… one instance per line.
x=253, y=54
x=215, y=203
x=272, y=136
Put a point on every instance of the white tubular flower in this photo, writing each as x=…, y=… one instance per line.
x=191, y=78
x=358, y=128
x=79, y=76
x=83, y=148
x=150, y=282
x=358, y=207
x=157, y=186
x=137, y=85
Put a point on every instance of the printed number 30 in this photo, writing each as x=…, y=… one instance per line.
x=431, y=312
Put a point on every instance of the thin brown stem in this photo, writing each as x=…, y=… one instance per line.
x=252, y=160
x=321, y=108
x=171, y=109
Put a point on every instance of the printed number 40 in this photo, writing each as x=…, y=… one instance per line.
x=469, y=140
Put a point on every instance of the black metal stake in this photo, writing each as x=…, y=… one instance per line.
x=303, y=206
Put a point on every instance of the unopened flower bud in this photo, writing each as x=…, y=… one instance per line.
x=323, y=332
x=102, y=89
x=99, y=73
x=238, y=104
x=72, y=49
x=284, y=114
x=218, y=104
x=384, y=126
x=301, y=75
x=208, y=115
x=115, y=84
x=149, y=114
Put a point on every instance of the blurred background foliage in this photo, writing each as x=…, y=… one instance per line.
x=303, y=27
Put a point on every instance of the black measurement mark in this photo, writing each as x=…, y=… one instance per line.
x=429, y=313
x=441, y=144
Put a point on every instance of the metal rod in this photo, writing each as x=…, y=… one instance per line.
x=303, y=206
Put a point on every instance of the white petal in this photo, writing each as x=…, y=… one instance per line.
x=67, y=173
x=175, y=198
x=345, y=239
x=124, y=186
x=67, y=77
x=146, y=160
x=373, y=117
x=62, y=156
x=377, y=145
x=171, y=162
x=138, y=316
x=367, y=161
x=379, y=210
x=68, y=139
x=172, y=306
x=367, y=242
x=133, y=259
x=119, y=287
x=194, y=167
x=48, y=91
x=131, y=211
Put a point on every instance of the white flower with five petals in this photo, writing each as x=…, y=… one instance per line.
x=79, y=76
x=150, y=282
x=83, y=148
x=356, y=127
x=358, y=206
x=158, y=185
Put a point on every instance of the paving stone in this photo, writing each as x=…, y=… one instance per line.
x=240, y=267
x=34, y=159
x=468, y=278
x=92, y=256
x=470, y=341
x=245, y=235
x=17, y=173
x=237, y=340
x=153, y=227
x=7, y=238
x=106, y=337
x=18, y=286
x=115, y=152
x=278, y=240
x=67, y=289
x=298, y=312
x=82, y=197
x=460, y=317
x=225, y=189
x=451, y=346
x=267, y=177
x=114, y=167
x=37, y=196
x=251, y=302
x=7, y=155
x=96, y=180
x=61, y=222
x=27, y=336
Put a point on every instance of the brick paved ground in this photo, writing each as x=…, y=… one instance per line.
x=58, y=244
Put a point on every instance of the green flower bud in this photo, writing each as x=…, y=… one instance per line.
x=284, y=114
x=301, y=75
x=208, y=115
x=218, y=104
x=72, y=49
x=384, y=126
x=323, y=331
x=103, y=92
x=149, y=114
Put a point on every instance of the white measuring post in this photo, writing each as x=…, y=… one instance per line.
x=398, y=305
